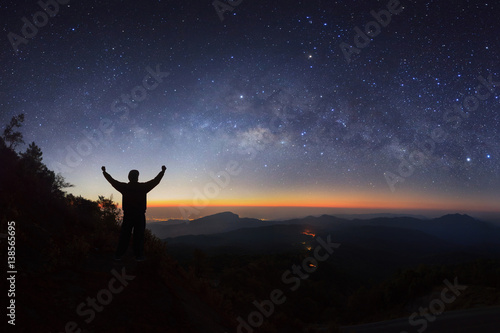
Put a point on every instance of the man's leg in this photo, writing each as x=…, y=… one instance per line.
x=139, y=227
x=125, y=231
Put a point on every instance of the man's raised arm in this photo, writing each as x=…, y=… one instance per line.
x=153, y=182
x=116, y=184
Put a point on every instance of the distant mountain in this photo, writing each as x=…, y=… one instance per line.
x=281, y=238
x=376, y=246
x=373, y=216
x=212, y=224
x=454, y=228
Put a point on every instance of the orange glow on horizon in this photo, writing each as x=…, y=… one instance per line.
x=394, y=203
x=347, y=198
x=404, y=199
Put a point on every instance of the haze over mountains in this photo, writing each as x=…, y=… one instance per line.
x=454, y=228
x=378, y=245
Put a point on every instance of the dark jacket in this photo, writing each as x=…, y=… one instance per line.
x=134, y=194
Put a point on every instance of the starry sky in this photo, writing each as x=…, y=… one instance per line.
x=357, y=105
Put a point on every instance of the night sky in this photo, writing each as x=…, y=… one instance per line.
x=281, y=103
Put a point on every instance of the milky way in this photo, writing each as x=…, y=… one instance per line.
x=315, y=100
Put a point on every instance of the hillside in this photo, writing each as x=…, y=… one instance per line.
x=61, y=247
x=384, y=268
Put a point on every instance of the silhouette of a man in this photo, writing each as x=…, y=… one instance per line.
x=134, y=204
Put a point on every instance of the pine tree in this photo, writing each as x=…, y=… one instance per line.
x=33, y=158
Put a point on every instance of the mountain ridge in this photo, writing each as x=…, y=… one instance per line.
x=464, y=225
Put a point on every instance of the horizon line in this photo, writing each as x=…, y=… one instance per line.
x=162, y=205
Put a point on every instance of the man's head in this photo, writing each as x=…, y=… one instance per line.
x=133, y=176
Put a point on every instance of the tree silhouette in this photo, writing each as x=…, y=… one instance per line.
x=14, y=138
x=109, y=209
x=32, y=162
x=33, y=157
